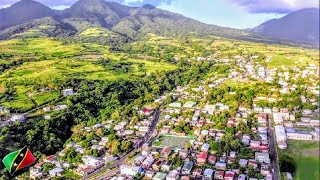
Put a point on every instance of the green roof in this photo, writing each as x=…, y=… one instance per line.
x=160, y=176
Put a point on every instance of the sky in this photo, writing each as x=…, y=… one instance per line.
x=228, y=13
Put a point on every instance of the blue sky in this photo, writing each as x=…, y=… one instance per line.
x=228, y=13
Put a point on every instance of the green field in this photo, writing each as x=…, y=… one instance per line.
x=172, y=141
x=48, y=62
x=306, y=156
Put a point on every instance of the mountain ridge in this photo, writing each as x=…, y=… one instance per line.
x=132, y=22
x=297, y=26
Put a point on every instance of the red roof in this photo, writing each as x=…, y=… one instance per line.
x=202, y=155
x=221, y=173
x=51, y=158
x=146, y=110
x=39, y=164
x=229, y=174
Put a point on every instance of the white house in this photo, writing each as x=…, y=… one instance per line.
x=130, y=170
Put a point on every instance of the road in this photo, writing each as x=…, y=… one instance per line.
x=95, y=175
x=273, y=153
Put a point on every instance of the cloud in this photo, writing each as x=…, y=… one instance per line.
x=274, y=6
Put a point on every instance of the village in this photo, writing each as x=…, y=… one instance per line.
x=181, y=135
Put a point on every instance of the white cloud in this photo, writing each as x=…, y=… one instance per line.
x=275, y=6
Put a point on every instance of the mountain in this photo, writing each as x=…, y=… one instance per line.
x=44, y=27
x=133, y=23
x=22, y=12
x=302, y=25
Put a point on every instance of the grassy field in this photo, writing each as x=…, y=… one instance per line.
x=173, y=141
x=306, y=156
x=54, y=61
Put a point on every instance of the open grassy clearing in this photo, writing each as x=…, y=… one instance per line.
x=306, y=156
x=96, y=32
x=279, y=54
x=173, y=141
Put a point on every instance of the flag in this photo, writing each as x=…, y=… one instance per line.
x=18, y=160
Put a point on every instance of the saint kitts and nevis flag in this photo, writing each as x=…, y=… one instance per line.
x=18, y=160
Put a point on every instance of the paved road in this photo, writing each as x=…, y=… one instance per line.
x=123, y=159
x=273, y=153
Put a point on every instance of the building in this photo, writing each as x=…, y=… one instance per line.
x=205, y=147
x=229, y=175
x=262, y=157
x=299, y=136
x=147, y=162
x=160, y=176
x=202, y=158
x=130, y=170
x=165, y=152
x=219, y=175
x=56, y=172
x=278, y=118
x=67, y=92
x=208, y=174
x=84, y=170
x=187, y=167
x=281, y=136
x=221, y=166
x=17, y=117
x=94, y=162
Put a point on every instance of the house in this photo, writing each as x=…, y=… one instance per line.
x=160, y=176
x=230, y=122
x=258, y=109
x=242, y=177
x=149, y=174
x=219, y=175
x=233, y=154
x=130, y=170
x=229, y=175
x=138, y=160
x=165, y=152
x=60, y=107
x=189, y=104
x=202, y=157
x=173, y=175
x=146, y=111
x=197, y=172
x=212, y=159
x=147, y=162
x=93, y=161
x=84, y=170
x=184, y=153
x=46, y=109
x=208, y=174
x=187, y=167
x=221, y=166
x=255, y=144
x=67, y=92
x=262, y=157
x=56, y=172
x=175, y=105
x=17, y=117
x=205, y=147
x=166, y=166
x=50, y=158
x=243, y=162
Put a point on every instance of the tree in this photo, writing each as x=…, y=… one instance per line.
x=287, y=164
x=125, y=145
x=187, y=145
x=115, y=146
x=251, y=171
